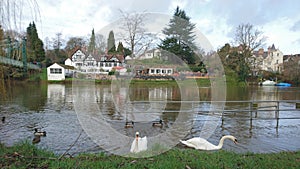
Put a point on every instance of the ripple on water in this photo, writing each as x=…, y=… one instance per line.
x=63, y=128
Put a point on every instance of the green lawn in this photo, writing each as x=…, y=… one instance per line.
x=25, y=155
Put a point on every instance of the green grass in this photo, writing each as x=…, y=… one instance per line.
x=25, y=155
x=38, y=76
x=200, y=82
x=231, y=79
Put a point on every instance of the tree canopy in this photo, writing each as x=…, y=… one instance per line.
x=73, y=43
x=34, y=45
x=180, y=37
x=136, y=36
x=92, y=43
x=247, y=38
x=111, y=47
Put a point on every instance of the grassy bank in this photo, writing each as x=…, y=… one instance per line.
x=231, y=79
x=26, y=155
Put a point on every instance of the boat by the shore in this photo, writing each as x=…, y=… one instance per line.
x=283, y=84
x=268, y=83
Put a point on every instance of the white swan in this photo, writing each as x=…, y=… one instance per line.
x=138, y=144
x=202, y=144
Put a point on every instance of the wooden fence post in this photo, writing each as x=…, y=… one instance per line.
x=297, y=105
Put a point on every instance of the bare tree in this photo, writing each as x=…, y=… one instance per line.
x=57, y=41
x=100, y=43
x=73, y=43
x=249, y=37
x=137, y=38
x=291, y=71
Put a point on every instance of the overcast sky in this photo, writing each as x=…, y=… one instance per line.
x=216, y=19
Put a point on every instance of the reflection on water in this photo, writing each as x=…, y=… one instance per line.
x=51, y=108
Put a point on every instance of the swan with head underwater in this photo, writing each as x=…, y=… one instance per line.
x=202, y=144
x=139, y=144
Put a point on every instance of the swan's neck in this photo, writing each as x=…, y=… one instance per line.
x=220, y=145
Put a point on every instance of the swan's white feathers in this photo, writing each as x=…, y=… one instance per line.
x=139, y=144
x=199, y=143
x=202, y=144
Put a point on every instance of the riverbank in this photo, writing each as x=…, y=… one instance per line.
x=25, y=155
x=231, y=79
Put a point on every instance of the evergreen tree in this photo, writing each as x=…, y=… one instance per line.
x=111, y=47
x=180, y=37
x=127, y=52
x=120, y=49
x=34, y=45
x=92, y=44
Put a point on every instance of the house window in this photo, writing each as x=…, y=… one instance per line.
x=55, y=70
x=152, y=71
x=115, y=64
x=101, y=64
x=157, y=71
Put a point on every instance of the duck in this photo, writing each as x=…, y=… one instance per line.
x=157, y=123
x=202, y=144
x=39, y=133
x=139, y=144
x=36, y=139
x=129, y=124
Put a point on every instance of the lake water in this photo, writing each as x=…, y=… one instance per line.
x=54, y=108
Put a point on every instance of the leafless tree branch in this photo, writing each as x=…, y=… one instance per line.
x=136, y=36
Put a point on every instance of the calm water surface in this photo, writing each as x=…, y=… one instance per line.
x=50, y=107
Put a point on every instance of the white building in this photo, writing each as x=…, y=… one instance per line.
x=153, y=53
x=90, y=63
x=69, y=62
x=77, y=58
x=59, y=72
x=160, y=71
x=55, y=72
x=274, y=60
x=271, y=60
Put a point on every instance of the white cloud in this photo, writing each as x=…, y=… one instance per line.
x=216, y=19
x=279, y=34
